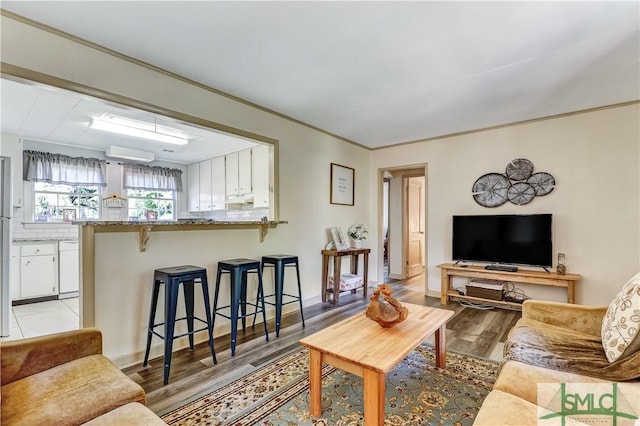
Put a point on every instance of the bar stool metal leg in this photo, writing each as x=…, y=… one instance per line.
x=152, y=318
x=171, y=300
x=264, y=311
x=187, y=288
x=299, y=293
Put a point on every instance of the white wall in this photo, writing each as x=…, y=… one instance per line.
x=595, y=205
x=122, y=273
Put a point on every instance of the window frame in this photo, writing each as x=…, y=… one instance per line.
x=173, y=199
x=51, y=219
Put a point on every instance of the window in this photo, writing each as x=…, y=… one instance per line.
x=57, y=202
x=151, y=205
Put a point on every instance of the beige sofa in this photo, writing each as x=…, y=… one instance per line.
x=554, y=343
x=63, y=379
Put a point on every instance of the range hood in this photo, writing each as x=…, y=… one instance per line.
x=240, y=199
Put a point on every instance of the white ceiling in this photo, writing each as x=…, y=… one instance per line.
x=47, y=114
x=379, y=73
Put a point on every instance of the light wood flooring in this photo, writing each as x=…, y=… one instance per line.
x=476, y=332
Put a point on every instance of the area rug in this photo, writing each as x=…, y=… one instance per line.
x=417, y=393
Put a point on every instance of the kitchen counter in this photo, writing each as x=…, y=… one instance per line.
x=144, y=228
x=41, y=240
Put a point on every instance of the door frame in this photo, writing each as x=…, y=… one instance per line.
x=409, y=170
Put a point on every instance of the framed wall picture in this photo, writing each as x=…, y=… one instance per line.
x=342, y=181
x=68, y=215
x=339, y=238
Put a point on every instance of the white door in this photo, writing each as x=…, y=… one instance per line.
x=37, y=276
x=415, y=226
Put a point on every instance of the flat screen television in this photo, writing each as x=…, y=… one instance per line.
x=506, y=239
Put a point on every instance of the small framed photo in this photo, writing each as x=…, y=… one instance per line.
x=342, y=184
x=68, y=215
x=340, y=239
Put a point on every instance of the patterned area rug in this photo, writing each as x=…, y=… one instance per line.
x=418, y=393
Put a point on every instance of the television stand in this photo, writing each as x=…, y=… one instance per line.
x=502, y=268
x=525, y=276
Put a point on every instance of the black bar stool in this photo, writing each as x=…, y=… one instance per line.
x=238, y=270
x=279, y=263
x=172, y=278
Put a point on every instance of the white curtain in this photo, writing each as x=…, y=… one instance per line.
x=151, y=178
x=62, y=169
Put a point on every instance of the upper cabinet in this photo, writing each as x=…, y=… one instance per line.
x=193, y=187
x=238, y=178
x=218, y=184
x=261, y=187
x=206, y=185
x=11, y=146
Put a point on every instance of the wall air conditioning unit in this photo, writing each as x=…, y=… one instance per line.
x=124, y=153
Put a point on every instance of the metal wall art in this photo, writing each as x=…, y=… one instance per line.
x=518, y=185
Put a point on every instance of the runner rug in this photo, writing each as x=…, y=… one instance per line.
x=277, y=393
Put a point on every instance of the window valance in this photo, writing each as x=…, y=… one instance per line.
x=63, y=169
x=151, y=178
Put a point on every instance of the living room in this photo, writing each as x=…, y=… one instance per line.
x=593, y=154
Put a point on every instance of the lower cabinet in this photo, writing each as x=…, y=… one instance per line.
x=69, y=267
x=38, y=271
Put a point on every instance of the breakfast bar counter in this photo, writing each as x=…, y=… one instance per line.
x=144, y=228
x=118, y=259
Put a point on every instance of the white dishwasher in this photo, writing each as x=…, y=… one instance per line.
x=69, y=272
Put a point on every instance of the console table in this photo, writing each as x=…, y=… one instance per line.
x=526, y=276
x=337, y=264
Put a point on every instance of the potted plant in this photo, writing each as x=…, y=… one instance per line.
x=358, y=232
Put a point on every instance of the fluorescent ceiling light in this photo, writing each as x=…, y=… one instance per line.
x=139, y=129
x=129, y=154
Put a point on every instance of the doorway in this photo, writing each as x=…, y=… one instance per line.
x=403, y=222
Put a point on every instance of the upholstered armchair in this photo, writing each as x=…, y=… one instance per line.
x=63, y=379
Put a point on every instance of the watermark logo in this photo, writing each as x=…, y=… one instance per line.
x=588, y=403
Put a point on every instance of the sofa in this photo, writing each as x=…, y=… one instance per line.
x=63, y=379
x=587, y=349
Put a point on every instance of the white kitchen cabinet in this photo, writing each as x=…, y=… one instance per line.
x=193, y=187
x=15, y=272
x=38, y=271
x=231, y=173
x=68, y=268
x=218, y=183
x=205, y=185
x=11, y=146
x=260, y=176
x=244, y=171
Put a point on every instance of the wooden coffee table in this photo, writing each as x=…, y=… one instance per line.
x=361, y=347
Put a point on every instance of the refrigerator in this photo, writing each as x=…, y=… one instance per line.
x=6, y=212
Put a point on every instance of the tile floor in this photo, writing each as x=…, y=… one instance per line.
x=37, y=319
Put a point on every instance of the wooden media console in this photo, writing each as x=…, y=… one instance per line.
x=525, y=276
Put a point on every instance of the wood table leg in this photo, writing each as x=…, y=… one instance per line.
x=365, y=273
x=315, y=382
x=337, y=263
x=441, y=346
x=444, y=286
x=571, y=292
x=374, y=397
x=325, y=276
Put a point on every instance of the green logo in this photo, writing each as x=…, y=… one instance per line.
x=601, y=403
